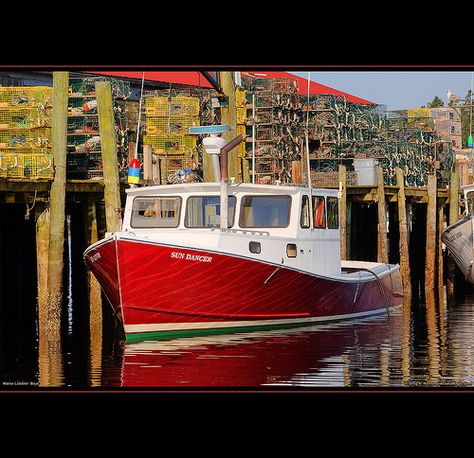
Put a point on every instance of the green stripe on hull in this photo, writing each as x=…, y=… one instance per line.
x=169, y=335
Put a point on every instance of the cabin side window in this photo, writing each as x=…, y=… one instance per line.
x=204, y=211
x=319, y=211
x=265, y=211
x=333, y=213
x=152, y=212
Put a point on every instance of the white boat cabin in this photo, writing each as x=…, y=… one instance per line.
x=266, y=222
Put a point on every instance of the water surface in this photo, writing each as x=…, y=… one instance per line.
x=425, y=345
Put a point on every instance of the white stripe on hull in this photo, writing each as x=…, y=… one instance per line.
x=166, y=327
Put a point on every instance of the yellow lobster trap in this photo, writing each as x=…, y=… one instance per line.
x=170, y=165
x=23, y=118
x=26, y=96
x=38, y=166
x=27, y=138
x=176, y=106
x=26, y=165
x=170, y=125
x=12, y=165
x=173, y=144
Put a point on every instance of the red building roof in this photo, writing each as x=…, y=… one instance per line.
x=197, y=79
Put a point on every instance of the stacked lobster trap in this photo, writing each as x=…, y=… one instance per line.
x=275, y=114
x=25, y=133
x=341, y=132
x=84, y=158
x=168, y=117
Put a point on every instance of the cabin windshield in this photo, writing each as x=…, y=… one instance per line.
x=205, y=211
x=265, y=211
x=155, y=212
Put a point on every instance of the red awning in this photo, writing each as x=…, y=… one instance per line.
x=197, y=79
x=187, y=78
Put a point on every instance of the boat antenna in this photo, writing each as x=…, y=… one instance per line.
x=307, y=156
x=139, y=116
x=470, y=108
x=253, y=138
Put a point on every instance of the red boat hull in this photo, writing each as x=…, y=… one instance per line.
x=164, y=291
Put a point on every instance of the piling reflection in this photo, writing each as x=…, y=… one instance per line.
x=432, y=339
x=50, y=358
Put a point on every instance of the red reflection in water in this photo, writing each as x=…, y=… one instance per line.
x=261, y=358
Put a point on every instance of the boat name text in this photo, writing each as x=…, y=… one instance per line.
x=191, y=257
x=94, y=257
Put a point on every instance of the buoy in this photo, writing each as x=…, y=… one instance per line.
x=90, y=105
x=134, y=172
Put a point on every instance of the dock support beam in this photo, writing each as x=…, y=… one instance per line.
x=49, y=319
x=403, y=232
x=296, y=176
x=343, y=211
x=382, y=245
x=57, y=199
x=229, y=116
x=453, y=218
x=430, y=259
x=440, y=266
x=108, y=145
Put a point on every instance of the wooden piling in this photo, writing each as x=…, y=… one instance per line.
x=452, y=218
x=131, y=151
x=348, y=227
x=342, y=210
x=50, y=363
x=57, y=199
x=156, y=169
x=108, y=145
x=382, y=245
x=42, y=250
x=229, y=116
x=403, y=234
x=95, y=299
x=147, y=163
x=296, y=176
x=430, y=259
x=440, y=265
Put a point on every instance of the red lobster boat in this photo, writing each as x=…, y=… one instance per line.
x=270, y=259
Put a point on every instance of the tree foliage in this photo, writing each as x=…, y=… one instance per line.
x=435, y=103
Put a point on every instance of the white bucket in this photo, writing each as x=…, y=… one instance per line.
x=365, y=169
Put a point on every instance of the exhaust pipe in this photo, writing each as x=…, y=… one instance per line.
x=224, y=201
x=225, y=154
